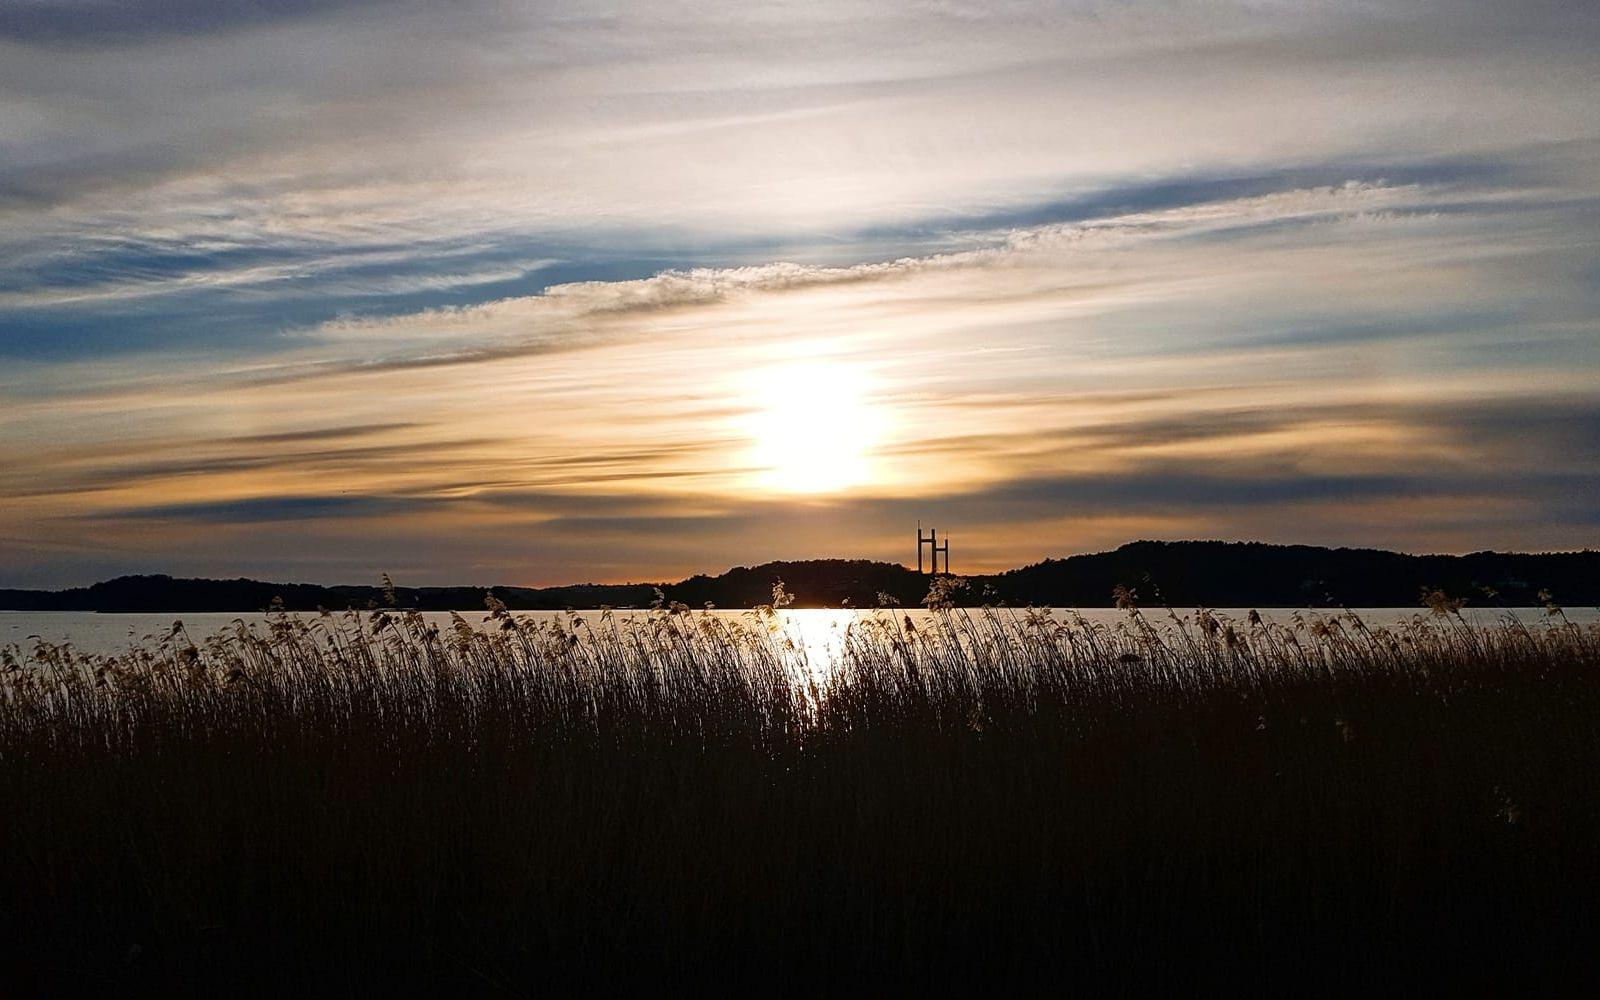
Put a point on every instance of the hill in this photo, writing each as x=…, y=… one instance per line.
x=1253, y=574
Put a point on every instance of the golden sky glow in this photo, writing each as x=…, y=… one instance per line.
x=631, y=294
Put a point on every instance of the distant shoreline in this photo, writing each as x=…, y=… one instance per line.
x=1155, y=574
x=1179, y=608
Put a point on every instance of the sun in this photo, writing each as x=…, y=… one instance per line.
x=813, y=427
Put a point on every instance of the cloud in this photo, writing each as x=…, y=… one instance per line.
x=351, y=125
x=318, y=434
x=121, y=22
x=266, y=510
x=575, y=315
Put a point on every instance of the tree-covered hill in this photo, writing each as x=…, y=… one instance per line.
x=1180, y=574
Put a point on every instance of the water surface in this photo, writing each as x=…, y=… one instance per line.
x=816, y=630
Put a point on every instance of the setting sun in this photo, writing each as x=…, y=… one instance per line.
x=814, y=426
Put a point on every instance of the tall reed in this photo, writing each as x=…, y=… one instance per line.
x=968, y=798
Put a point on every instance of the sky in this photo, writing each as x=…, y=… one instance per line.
x=537, y=293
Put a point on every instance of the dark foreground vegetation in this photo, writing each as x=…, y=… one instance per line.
x=958, y=803
x=1215, y=574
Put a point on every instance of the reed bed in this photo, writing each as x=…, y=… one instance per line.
x=993, y=798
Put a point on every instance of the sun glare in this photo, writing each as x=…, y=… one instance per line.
x=814, y=427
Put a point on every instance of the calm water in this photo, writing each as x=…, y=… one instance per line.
x=815, y=629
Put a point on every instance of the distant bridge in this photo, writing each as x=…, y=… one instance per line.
x=931, y=540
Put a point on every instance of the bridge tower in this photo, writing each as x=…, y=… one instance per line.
x=935, y=549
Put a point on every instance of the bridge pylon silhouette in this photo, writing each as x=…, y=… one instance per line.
x=935, y=548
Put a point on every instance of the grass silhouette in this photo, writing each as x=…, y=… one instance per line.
x=958, y=800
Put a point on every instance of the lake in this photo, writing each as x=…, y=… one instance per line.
x=96, y=632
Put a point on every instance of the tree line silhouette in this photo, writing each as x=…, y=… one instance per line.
x=1180, y=574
